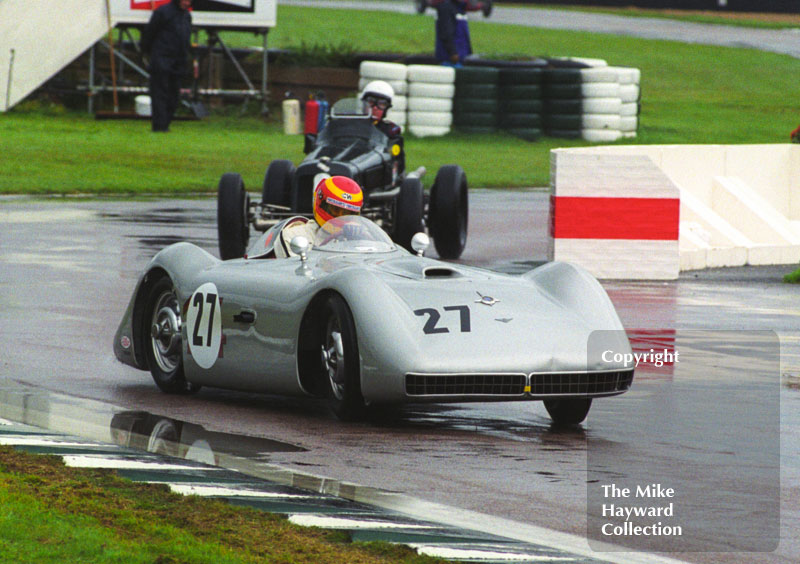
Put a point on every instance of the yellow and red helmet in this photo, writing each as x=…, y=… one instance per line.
x=336, y=196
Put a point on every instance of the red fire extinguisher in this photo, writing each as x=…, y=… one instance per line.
x=312, y=117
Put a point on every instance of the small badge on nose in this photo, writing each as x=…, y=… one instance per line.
x=486, y=300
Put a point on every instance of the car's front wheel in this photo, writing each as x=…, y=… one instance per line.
x=408, y=213
x=568, y=411
x=340, y=363
x=449, y=211
x=163, y=349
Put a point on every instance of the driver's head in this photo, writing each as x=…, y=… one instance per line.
x=336, y=196
x=377, y=98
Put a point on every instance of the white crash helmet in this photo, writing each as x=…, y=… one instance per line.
x=380, y=90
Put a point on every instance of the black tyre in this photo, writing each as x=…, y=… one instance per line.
x=522, y=106
x=232, y=223
x=476, y=90
x=449, y=211
x=520, y=76
x=518, y=121
x=340, y=361
x=488, y=5
x=476, y=129
x=461, y=105
x=277, y=188
x=564, y=133
x=568, y=411
x=563, y=91
x=564, y=107
x=561, y=122
x=409, y=208
x=521, y=92
x=526, y=133
x=420, y=6
x=480, y=119
x=164, y=344
x=562, y=76
x=476, y=75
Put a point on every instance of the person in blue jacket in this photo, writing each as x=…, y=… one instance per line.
x=167, y=41
x=452, y=32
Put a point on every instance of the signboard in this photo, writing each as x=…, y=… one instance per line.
x=231, y=14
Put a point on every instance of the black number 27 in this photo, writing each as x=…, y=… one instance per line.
x=432, y=323
x=211, y=299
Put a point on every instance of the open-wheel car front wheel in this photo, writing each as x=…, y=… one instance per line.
x=340, y=363
x=448, y=211
x=233, y=226
x=163, y=349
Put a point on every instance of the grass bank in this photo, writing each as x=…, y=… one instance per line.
x=51, y=513
x=690, y=94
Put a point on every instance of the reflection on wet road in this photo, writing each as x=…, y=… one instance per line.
x=68, y=268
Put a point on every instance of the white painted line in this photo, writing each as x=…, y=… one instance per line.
x=509, y=529
x=117, y=463
x=25, y=440
x=221, y=491
x=344, y=523
x=468, y=554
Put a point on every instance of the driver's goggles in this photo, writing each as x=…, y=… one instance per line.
x=381, y=103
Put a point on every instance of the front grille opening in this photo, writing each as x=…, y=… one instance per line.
x=465, y=384
x=581, y=383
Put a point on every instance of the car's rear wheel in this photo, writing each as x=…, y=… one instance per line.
x=340, y=363
x=163, y=348
x=233, y=227
x=448, y=212
x=420, y=6
x=568, y=411
x=409, y=208
x=277, y=188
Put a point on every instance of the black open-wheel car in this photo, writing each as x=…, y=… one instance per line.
x=350, y=145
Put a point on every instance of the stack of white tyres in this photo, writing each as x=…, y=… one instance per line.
x=600, y=89
x=396, y=75
x=430, y=99
x=631, y=95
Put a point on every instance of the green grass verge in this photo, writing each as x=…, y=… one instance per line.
x=690, y=94
x=792, y=277
x=51, y=513
x=721, y=17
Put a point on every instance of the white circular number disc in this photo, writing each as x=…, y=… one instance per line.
x=204, y=325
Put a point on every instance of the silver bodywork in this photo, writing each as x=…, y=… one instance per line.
x=426, y=330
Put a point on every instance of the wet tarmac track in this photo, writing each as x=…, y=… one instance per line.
x=719, y=426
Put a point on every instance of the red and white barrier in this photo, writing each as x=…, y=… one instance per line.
x=618, y=216
x=614, y=209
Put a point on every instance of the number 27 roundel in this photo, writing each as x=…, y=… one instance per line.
x=204, y=325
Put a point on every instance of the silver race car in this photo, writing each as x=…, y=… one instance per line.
x=356, y=318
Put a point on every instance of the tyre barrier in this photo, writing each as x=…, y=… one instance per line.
x=562, y=96
x=431, y=89
x=570, y=98
x=475, y=107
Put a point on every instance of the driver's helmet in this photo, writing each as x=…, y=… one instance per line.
x=377, y=98
x=336, y=196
